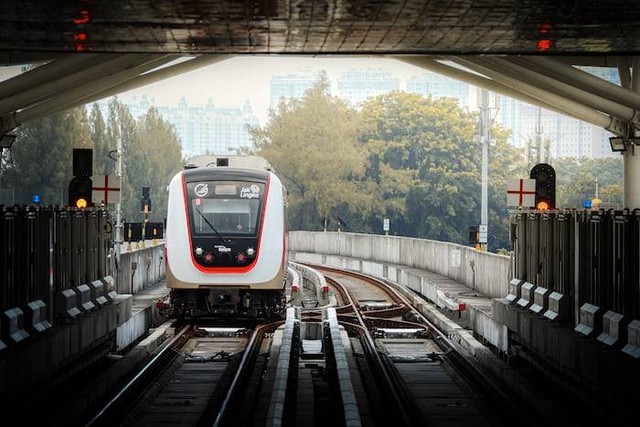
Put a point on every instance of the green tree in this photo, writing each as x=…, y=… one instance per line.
x=576, y=181
x=427, y=168
x=505, y=164
x=40, y=160
x=312, y=144
x=103, y=163
x=161, y=152
x=424, y=147
x=152, y=155
x=122, y=125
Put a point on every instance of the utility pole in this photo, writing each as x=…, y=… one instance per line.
x=119, y=226
x=485, y=139
x=539, y=139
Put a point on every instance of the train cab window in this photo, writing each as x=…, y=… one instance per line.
x=228, y=208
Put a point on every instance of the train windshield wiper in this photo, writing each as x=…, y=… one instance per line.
x=222, y=239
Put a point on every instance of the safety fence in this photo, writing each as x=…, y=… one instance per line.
x=589, y=257
x=133, y=231
x=45, y=251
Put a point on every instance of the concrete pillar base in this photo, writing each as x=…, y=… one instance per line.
x=84, y=298
x=526, y=295
x=590, y=320
x=13, y=326
x=66, y=304
x=36, y=317
x=614, y=329
x=558, y=307
x=633, y=340
x=514, y=290
x=97, y=293
x=540, y=300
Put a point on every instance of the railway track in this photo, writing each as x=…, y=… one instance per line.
x=361, y=357
x=192, y=380
x=423, y=378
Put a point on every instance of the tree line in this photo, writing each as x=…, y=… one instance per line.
x=408, y=158
x=404, y=157
x=40, y=159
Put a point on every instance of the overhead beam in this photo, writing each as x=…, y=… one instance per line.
x=567, y=106
x=138, y=64
x=43, y=74
x=474, y=79
x=568, y=91
x=60, y=77
x=124, y=73
x=581, y=79
x=155, y=76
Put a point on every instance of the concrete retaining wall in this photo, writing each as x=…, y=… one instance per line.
x=141, y=268
x=480, y=318
x=484, y=272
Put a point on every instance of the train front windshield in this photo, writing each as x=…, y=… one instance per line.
x=225, y=207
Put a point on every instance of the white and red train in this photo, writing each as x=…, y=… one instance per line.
x=226, y=242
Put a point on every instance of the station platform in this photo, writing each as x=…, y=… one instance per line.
x=41, y=361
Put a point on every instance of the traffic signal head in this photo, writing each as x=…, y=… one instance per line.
x=145, y=205
x=145, y=202
x=474, y=234
x=80, y=189
x=82, y=162
x=545, y=176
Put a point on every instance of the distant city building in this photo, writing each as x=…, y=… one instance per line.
x=292, y=85
x=439, y=86
x=509, y=115
x=357, y=85
x=569, y=137
x=205, y=129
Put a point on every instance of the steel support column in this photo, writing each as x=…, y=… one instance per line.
x=631, y=158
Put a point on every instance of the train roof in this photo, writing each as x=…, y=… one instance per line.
x=236, y=161
x=208, y=173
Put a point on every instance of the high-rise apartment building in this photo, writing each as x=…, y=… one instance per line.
x=357, y=85
x=439, y=86
x=569, y=137
x=205, y=129
x=292, y=85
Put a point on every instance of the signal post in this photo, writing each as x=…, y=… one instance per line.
x=145, y=209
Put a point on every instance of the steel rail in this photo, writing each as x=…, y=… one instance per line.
x=141, y=376
x=405, y=414
x=243, y=370
x=453, y=355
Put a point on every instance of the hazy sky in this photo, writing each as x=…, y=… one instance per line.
x=235, y=80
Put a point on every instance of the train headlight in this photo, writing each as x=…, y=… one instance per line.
x=199, y=251
x=251, y=252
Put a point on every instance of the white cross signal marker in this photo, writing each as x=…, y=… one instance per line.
x=521, y=192
x=105, y=189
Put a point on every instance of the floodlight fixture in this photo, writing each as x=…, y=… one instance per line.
x=6, y=140
x=618, y=144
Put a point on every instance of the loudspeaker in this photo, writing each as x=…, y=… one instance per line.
x=82, y=162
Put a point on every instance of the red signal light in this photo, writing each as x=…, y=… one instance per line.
x=544, y=44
